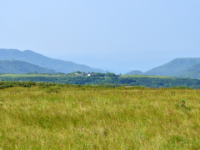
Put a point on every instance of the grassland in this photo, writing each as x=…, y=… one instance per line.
x=92, y=117
x=108, y=79
x=58, y=75
x=30, y=75
x=145, y=76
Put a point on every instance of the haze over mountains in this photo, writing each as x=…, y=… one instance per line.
x=180, y=67
x=173, y=67
x=135, y=72
x=21, y=67
x=43, y=61
x=20, y=62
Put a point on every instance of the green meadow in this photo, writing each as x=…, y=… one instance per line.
x=54, y=116
x=29, y=75
x=146, y=76
x=108, y=79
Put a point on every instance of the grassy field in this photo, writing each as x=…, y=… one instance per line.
x=73, y=117
x=31, y=75
x=146, y=76
x=61, y=75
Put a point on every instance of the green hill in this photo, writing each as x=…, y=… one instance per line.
x=21, y=67
x=180, y=67
x=191, y=72
x=135, y=72
x=176, y=67
x=43, y=61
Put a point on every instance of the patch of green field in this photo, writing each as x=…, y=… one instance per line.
x=145, y=76
x=61, y=75
x=30, y=75
x=113, y=80
x=88, y=117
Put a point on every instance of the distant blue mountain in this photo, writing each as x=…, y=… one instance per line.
x=43, y=61
x=179, y=67
x=173, y=67
x=191, y=72
x=135, y=72
x=21, y=67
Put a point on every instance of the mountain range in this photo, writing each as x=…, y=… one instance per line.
x=43, y=61
x=20, y=62
x=21, y=67
x=179, y=67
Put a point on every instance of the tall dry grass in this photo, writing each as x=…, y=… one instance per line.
x=78, y=118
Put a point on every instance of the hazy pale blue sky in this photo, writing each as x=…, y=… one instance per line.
x=115, y=35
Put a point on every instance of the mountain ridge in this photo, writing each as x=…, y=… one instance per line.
x=135, y=72
x=44, y=61
x=174, y=66
x=179, y=67
x=21, y=67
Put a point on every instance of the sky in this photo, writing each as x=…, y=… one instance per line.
x=114, y=35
